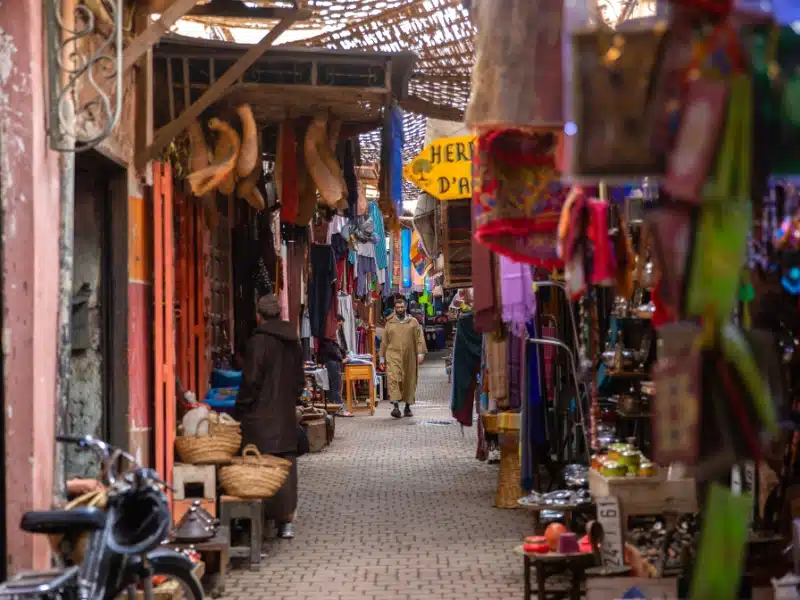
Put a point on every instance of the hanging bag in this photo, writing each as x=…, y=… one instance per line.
x=725, y=216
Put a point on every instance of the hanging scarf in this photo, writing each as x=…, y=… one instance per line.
x=519, y=302
x=287, y=148
x=518, y=195
x=514, y=361
x=487, y=312
x=497, y=358
x=396, y=143
x=466, y=364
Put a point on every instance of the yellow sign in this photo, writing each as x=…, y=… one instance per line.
x=444, y=168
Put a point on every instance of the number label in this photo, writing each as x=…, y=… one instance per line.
x=609, y=516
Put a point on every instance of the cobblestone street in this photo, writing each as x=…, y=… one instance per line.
x=396, y=509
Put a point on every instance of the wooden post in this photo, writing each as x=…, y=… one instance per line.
x=158, y=320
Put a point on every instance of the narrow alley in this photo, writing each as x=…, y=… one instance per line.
x=396, y=510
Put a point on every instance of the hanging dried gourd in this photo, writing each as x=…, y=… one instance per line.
x=334, y=128
x=199, y=159
x=210, y=178
x=227, y=145
x=322, y=164
x=247, y=188
x=249, y=156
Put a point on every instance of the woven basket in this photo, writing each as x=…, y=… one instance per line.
x=254, y=475
x=508, y=488
x=218, y=447
x=75, y=554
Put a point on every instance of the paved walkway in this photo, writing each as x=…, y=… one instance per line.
x=396, y=510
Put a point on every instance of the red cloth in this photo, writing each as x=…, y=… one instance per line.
x=288, y=153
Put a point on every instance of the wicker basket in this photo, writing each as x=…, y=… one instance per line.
x=76, y=553
x=254, y=475
x=508, y=488
x=218, y=447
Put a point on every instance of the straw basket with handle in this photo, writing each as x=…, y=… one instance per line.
x=95, y=499
x=254, y=475
x=218, y=447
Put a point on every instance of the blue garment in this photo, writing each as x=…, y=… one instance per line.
x=397, y=140
x=405, y=258
x=534, y=432
x=380, y=245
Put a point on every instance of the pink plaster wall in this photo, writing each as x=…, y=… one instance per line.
x=30, y=284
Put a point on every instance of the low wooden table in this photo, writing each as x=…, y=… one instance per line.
x=553, y=563
x=358, y=372
x=218, y=548
x=536, y=510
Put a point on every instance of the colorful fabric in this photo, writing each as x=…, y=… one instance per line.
x=518, y=195
x=548, y=354
x=417, y=254
x=519, y=301
x=405, y=257
x=380, y=235
x=487, y=309
x=289, y=194
x=497, y=358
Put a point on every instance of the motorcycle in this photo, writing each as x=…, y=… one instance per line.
x=119, y=546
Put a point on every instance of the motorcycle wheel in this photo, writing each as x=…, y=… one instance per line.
x=191, y=588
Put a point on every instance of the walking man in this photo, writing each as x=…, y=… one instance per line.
x=402, y=351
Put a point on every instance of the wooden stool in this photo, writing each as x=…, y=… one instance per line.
x=233, y=508
x=185, y=475
x=553, y=563
x=353, y=373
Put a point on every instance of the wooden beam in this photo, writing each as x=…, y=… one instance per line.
x=166, y=134
x=233, y=9
x=154, y=32
x=429, y=109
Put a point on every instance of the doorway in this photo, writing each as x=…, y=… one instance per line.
x=97, y=401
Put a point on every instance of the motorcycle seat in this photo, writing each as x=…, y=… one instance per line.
x=63, y=522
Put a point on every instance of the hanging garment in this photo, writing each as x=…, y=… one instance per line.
x=405, y=258
x=366, y=270
x=497, y=358
x=320, y=292
x=518, y=195
x=295, y=260
x=286, y=172
x=402, y=342
x=380, y=235
x=548, y=355
x=514, y=371
x=517, y=78
x=284, y=287
x=349, y=326
x=487, y=310
x=397, y=141
x=534, y=413
x=516, y=290
x=466, y=365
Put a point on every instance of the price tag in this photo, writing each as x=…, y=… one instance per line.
x=610, y=517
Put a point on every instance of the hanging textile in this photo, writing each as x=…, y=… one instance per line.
x=534, y=412
x=295, y=261
x=518, y=195
x=284, y=294
x=364, y=276
x=405, y=257
x=497, y=358
x=517, y=80
x=466, y=364
x=349, y=326
x=417, y=254
x=485, y=296
x=397, y=253
x=397, y=141
x=380, y=235
x=286, y=172
x=548, y=355
x=516, y=291
x=320, y=293
x=514, y=371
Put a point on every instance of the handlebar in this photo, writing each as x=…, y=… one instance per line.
x=110, y=457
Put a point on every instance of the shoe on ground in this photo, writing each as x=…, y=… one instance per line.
x=407, y=412
x=343, y=413
x=396, y=412
x=286, y=531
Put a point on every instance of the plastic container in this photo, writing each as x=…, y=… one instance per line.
x=222, y=400
x=221, y=378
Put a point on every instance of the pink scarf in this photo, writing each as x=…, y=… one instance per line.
x=519, y=302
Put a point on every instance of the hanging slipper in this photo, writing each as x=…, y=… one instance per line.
x=210, y=178
x=249, y=155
